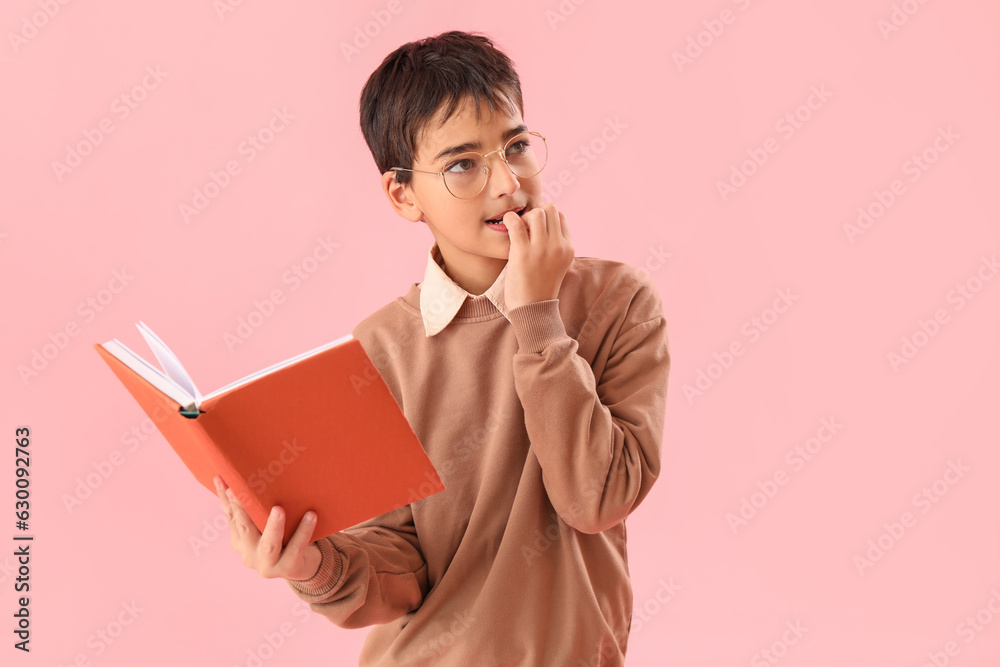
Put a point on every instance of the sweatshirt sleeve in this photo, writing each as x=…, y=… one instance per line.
x=597, y=432
x=369, y=574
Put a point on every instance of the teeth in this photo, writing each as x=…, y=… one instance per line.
x=500, y=219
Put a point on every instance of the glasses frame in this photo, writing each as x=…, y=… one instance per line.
x=486, y=167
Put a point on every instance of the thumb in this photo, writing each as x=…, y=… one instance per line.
x=516, y=228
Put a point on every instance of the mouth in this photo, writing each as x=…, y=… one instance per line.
x=499, y=220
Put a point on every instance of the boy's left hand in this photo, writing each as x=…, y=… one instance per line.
x=541, y=252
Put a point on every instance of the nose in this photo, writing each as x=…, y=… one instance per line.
x=502, y=180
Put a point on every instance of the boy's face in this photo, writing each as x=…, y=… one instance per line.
x=469, y=246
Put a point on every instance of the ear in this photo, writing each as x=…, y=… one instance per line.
x=401, y=198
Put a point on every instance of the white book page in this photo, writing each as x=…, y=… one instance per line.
x=170, y=363
x=149, y=373
x=288, y=362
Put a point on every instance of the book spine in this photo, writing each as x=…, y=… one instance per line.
x=188, y=437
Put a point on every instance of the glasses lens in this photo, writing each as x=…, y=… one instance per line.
x=526, y=154
x=465, y=175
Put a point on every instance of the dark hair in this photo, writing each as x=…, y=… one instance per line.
x=416, y=80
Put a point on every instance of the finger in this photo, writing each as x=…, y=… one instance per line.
x=220, y=491
x=245, y=527
x=228, y=506
x=531, y=219
x=549, y=227
x=269, y=546
x=552, y=226
x=300, y=539
x=563, y=226
x=516, y=230
x=534, y=223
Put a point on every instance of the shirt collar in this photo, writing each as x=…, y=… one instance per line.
x=441, y=297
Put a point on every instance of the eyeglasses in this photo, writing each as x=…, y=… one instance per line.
x=467, y=173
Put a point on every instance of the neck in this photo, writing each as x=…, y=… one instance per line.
x=475, y=277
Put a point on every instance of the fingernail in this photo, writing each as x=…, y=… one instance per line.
x=310, y=517
x=274, y=512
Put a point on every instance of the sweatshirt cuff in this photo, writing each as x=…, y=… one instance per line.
x=331, y=566
x=537, y=325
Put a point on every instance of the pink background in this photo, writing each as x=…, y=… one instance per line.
x=597, y=76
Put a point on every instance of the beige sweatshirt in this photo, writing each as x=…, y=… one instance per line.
x=546, y=429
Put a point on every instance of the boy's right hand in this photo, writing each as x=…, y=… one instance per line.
x=300, y=559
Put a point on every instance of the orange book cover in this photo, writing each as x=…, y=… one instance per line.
x=322, y=433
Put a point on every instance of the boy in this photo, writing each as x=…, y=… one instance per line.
x=535, y=380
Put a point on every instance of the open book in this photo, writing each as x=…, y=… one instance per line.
x=319, y=431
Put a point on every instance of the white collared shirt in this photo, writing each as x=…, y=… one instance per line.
x=441, y=297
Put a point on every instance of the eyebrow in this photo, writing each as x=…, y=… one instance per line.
x=477, y=145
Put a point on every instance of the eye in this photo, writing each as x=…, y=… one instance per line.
x=461, y=166
x=518, y=147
